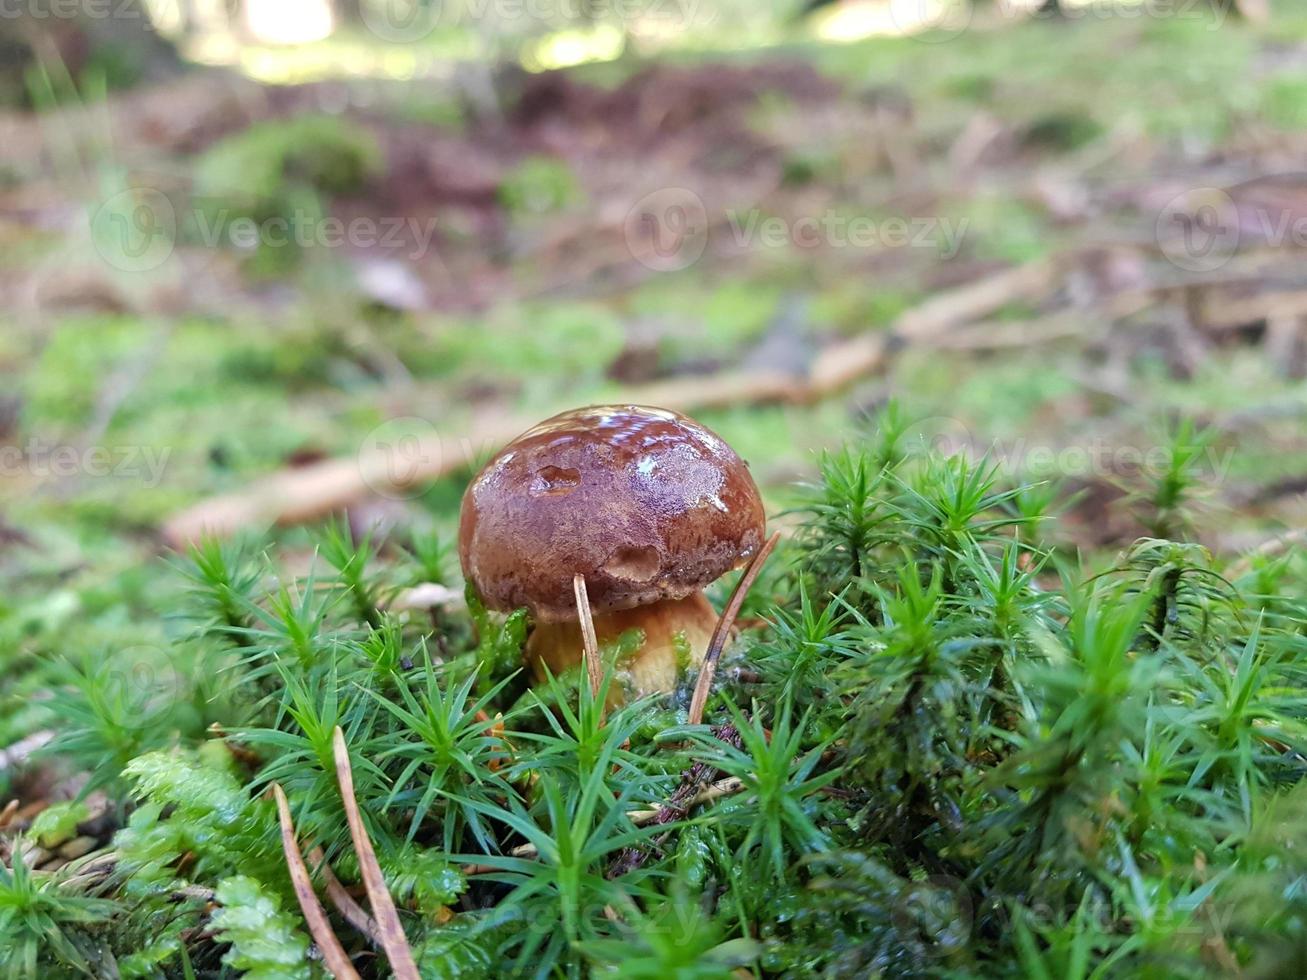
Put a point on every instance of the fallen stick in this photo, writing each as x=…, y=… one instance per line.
x=334, y=957
x=1224, y=313
x=22, y=750
x=590, y=644
x=687, y=795
x=352, y=912
x=393, y=940
x=1273, y=548
x=703, y=686
x=307, y=493
x=839, y=366
x=709, y=794
x=641, y=818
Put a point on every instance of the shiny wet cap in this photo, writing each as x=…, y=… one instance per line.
x=647, y=504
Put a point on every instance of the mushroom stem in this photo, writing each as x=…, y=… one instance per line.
x=652, y=668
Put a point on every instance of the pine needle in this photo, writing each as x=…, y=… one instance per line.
x=594, y=668
x=334, y=956
x=393, y=940
x=350, y=910
x=709, y=669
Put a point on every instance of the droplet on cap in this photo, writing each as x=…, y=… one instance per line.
x=554, y=481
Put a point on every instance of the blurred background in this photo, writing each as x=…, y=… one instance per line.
x=270, y=260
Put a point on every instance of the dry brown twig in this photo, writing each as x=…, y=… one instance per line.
x=641, y=818
x=334, y=957
x=18, y=753
x=703, y=686
x=841, y=365
x=350, y=910
x=308, y=492
x=391, y=931
x=1273, y=548
x=593, y=667
x=709, y=794
x=693, y=790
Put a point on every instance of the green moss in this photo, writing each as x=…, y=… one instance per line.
x=266, y=942
x=1284, y=102
x=58, y=822
x=539, y=185
x=695, y=318
x=63, y=386
x=262, y=165
x=995, y=226
x=534, y=344
x=263, y=190
x=914, y=656
x=1062, y=131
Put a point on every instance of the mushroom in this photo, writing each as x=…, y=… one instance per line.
x=647, y=505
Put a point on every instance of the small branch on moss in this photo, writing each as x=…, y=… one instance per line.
x=1270, y=549
x=841, y=365
x=691, y=792
x=674, y=810
x=709, y=669
x=641, y=818
x=350, y=910
x=393, y=940
x=428, y=595
x=306, y=493
x=594, y=668
x=90, y=872
x=22, y=750
x=334, y=957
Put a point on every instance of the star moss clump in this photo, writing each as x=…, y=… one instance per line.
x=942, y=747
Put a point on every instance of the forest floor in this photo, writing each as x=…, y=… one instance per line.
x=1047, y=242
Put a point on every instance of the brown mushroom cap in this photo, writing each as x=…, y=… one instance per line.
x=647, y=504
